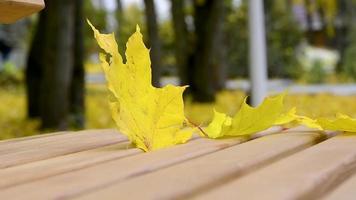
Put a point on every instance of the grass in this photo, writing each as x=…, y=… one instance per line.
x=13, y=122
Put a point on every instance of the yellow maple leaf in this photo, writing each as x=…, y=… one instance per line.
x=214, y=129
x=341, y=123
x=152, y=118
x=292, y=117
x=248, y=120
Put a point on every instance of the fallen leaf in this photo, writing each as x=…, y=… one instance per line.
x=340, y=123
x=214, y=129
x=291, y=117
x=152, y=118
x=248, y=120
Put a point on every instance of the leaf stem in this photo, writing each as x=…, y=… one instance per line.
x=196, y=126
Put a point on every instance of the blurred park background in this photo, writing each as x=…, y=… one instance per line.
x=50, y=76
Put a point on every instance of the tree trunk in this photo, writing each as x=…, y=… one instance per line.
x=77, y=90
x=181, y=40
x=33, y=72
x=154, y=42
x=120, y=19
x=220, y=60
x=207, y=28
x=57, y=64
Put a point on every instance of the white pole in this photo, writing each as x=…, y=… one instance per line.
x=258, y=66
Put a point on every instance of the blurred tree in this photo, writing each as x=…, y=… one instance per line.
x=77, y=88
x=168, y=62
x=182, y=46
x=220, y=60
x=57, y=61
x=127, y=19
x=154, y=41
x=119, y=13
x=283, y=36
x=345, y=35
x=121, y=23
x=34, y=66
x=328, y=24
x=199, y=60
x=56, y=56
x=236, y=32
x=97, y=16
x=282, y=39
x=207, y=24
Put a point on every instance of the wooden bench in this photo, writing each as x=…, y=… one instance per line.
x=101, y=164
x=13, y=10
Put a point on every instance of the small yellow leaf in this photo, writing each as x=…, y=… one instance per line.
x=152, y=118
x=308, y=122
x=287, y=117
x=341, y=123
x=214, y=128
x=292, y=117
x=248, y=120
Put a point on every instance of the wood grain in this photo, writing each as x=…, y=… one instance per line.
x=346, y=190
x=45, y=168
x=305, y=175
x=203, y=173
x=81, y=181
x=25, y=151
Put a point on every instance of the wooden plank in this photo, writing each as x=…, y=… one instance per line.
x=14, y=140
x=38, y=170
x=16, y=144
x=64, y=185
x=21, y=152
x=346, y=190
x=185, y=179
x=12, y=10
x=305, y=175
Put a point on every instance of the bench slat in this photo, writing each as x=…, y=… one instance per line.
x=16, y=144
x=305, y=175
x=346, y=190
x=180, y=181
x=61, y=164
x=100, y=175
x=25, y=151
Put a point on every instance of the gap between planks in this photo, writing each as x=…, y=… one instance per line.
x=26, y=151
x=45, y=168
x=16, y=144
x=182, y=180
x=92, y=177
x=34, y=166
x=346, y=188
x=305, y=175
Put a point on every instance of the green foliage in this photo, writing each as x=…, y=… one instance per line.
x=349, y=59
x=316, y=73
x=13, y=121
x=97, y=17
x=10, y=75
x=236, y=30
x=283, y=36
x=132, y=16
x=167, y=42
x=349, y=67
